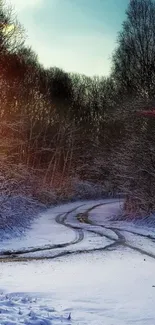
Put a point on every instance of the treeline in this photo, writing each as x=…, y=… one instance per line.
x=62, y=125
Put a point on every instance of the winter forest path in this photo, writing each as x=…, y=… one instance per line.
x=79, y=219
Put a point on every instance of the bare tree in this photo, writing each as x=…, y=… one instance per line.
x=11, y=31
x=133, y=60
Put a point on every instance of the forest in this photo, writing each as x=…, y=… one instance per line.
x=58, y=127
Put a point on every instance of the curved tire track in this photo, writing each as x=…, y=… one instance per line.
x=61, y=218
x=16, y=256
x=121, y=238
x=79, y=236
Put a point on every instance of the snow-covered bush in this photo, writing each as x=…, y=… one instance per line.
x=87, y=190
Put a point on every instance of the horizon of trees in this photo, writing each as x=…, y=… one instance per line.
x=64, y=125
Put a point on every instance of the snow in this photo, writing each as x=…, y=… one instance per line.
x=93, y=282
x=107, y=215
x=19, y=308
x=106, y=212
x=90, y=242
x=106, y=232
x=44, y=229
x=140, y=242
x=98, y=288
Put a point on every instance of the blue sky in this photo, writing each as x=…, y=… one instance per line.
x=76, y=35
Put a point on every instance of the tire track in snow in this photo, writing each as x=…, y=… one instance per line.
x=61, y=218
x=15, y=256
x=121, y=238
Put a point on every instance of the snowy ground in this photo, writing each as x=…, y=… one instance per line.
x=46, y=231
x=76, y=265
x=113, y=288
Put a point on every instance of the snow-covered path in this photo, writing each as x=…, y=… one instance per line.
x=77, y=228
x=77, y=260
x=53, y=232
